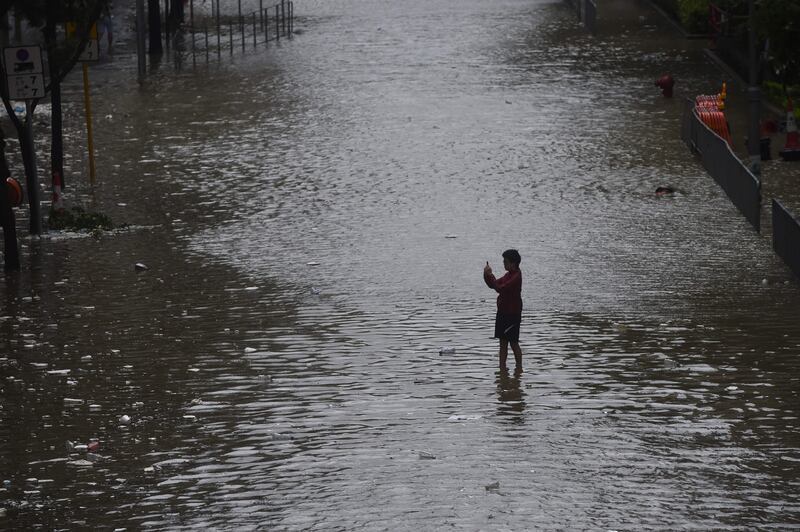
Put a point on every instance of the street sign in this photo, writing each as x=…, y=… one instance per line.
x=91, y=52
x=24, y=72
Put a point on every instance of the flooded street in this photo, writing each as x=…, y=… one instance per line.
x=315, y=218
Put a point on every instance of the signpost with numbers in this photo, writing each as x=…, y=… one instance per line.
x=24, y=72
x=90, y=54
x=25, y=81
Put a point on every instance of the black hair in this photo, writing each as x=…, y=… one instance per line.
x=513, y=256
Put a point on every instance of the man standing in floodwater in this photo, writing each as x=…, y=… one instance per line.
x=509, y=306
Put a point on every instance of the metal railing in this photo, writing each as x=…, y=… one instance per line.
x=211, y=30
x=741, y=186
x=786, y=236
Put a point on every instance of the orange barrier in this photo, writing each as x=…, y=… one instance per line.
x=715, y=120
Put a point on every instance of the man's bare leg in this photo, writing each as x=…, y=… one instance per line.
x=517, y=356
x=503, y=354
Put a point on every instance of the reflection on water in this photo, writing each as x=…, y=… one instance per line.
x=510, y=395
x=315, y=218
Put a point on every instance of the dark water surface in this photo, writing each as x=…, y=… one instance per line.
x=315, y=218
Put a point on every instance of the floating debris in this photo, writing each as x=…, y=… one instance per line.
x=494, y=486
x=464, y=417
x=447, y=350
x=139, y=267
x=425, y=455
x=125, y=419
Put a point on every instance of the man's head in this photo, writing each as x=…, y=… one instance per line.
x=511, y=259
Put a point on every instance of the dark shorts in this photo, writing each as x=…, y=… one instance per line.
x=506, y=327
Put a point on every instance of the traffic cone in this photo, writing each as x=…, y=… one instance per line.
x=791, y=151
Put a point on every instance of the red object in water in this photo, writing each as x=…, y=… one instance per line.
x=93, y=446
x=14, y=191
x=665, y=83
x=791, y=151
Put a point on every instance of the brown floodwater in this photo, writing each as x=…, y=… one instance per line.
x=314, y=218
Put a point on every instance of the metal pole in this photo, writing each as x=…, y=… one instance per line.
x=219, y=35
x=166, y=22
x=261, y=13
x=231, y=27
x=277, y=23
x=240, y=16
x=33, y=179
x=191, y=30
x=140, y=36
x=266, y=25
x=255, y=33
x=291, y=18
x=205, y=30
x=87, y=101
x=753, y=97
x=283, y=15
x=241, y=26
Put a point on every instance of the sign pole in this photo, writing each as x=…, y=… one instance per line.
x=87, y=101
x=33, y=178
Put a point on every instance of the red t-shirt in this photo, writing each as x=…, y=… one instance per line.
x=509, y=288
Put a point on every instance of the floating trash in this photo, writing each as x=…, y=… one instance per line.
x=139, y=267
x=167, y=464
x=70, y=401
x=447, y=350
x=451, y=236
x=493, y=486
x=464, y=417
x=315, y=291
x=250, y=349
x=80, y=463
x=125, y=419
x=425, y=455
x=312, y=263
